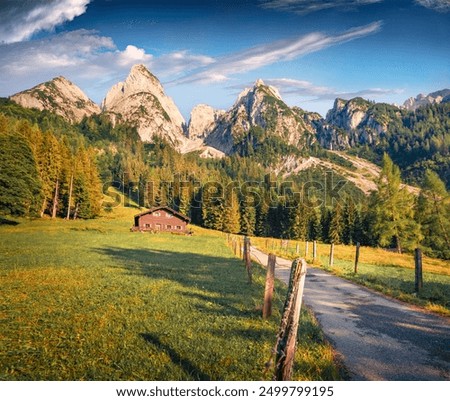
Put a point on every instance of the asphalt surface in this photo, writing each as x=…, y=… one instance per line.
x=377, y=338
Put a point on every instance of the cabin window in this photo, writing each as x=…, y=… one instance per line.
x=169, y=226
x=156, y=214
x=147, y=226
x=178, y=227
x=169, y=215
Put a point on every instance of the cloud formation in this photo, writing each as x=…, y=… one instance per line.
x=437, y=5
x=274, y=52
x=21, y=19
x=309, y=6
x=88, y=59
x=307, y=90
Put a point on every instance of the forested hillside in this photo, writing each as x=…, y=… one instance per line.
x=415, y=140
x=50, y=167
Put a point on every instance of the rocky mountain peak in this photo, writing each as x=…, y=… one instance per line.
x=259, y=106
x=347, y=114
x=355, y=121
x=59, y=96
x=141, y=101
x=424, y=100
x=202, y=121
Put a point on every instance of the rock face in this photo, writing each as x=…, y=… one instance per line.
x=59, y=96
x=354, y=122
x=422, y=100
x=202, y=121
x=260, y=106
x=141, y=101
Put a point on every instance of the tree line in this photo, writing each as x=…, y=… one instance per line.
x=41, y=174
x=49, y=167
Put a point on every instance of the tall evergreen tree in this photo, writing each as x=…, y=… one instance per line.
x=314, y=227
x=336, y=229
x=325, y=220
x=350, y=220
x=433, y=213
x=394, y=212
x=248, y=217
x=231, y=215
x=19, y=180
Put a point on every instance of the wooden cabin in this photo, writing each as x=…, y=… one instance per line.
x=161, y=219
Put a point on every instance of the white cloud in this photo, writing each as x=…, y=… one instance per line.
x=133, y=55
x=274, y=52
x=307, y=90
x=437, y=5
x=88, y=59
x=21, y=19
x=309, y=6
x=179, y=62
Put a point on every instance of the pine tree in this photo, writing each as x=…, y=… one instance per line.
x=298, y=221
x=433, y=213
x=231, y=215
x=248, y=217
x=394, y=212
x=262, y=227
x=19, y=181
x=325, y=220
x=336, y=229
x=213, y=206
x=314, y=228
x=350, y=217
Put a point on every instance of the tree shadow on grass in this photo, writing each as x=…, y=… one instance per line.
x=222, y=282
x=186, y=365
x=212, y=287
x=8, y=222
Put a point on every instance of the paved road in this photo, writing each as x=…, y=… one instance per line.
x=377, y=337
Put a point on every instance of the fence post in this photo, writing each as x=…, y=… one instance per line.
x=297, y=249
x=331, y=261
x=234, y=246
x=287, y=337
x=357, y=257
x=247, y=259
x=314, y=251
x=268, y=292
x=418, y=284
x=306, y=249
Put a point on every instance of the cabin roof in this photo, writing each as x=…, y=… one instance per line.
x=174, y=212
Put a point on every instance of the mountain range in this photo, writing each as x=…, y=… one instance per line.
x=289, y=139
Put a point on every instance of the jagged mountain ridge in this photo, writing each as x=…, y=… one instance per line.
x=59, y=96
x=420, y=100
x=260, y=106
x=355, y=122
x=140, y=100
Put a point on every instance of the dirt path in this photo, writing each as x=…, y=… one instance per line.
x=378, y=338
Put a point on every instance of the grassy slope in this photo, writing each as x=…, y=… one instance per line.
x=387, y=272
x=89, y=300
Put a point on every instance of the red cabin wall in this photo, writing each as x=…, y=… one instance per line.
x=150, y=222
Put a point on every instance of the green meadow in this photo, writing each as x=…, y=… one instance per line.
x=90, y=300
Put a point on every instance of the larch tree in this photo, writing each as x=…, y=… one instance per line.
x=231, y=214
x=394, y=210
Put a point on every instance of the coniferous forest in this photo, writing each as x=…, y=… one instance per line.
x=51, y=168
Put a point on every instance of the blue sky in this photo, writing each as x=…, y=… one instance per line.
x=208, y=51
